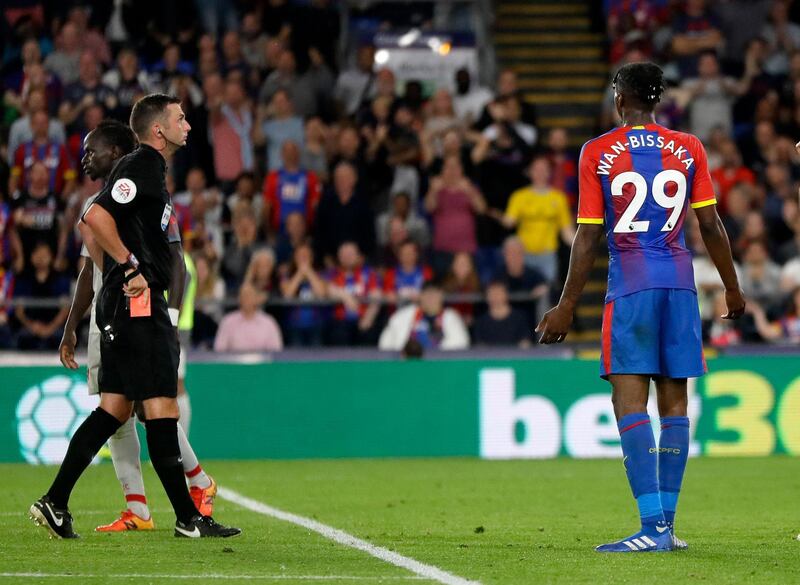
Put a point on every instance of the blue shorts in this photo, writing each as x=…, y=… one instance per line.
x=654, y=332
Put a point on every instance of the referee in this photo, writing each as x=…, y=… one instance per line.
x=139, y=348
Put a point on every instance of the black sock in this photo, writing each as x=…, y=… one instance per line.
x=86, y=442
x=162, y=442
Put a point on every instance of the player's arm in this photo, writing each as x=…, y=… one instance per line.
x=177, y=286
x=714, y=236
x=80, y=304
x=719, y=250
x=555, y=324
x=104, y=229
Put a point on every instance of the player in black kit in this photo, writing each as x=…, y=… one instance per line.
x=139, y=348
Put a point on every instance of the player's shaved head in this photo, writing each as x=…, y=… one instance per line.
x=640, y=85
x=114, y=133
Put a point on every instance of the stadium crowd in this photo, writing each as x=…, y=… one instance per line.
x=332, y=205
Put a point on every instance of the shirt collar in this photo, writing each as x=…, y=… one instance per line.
x=153, y=152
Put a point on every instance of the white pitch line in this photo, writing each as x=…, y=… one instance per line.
x=342, y=537
x=206, y=576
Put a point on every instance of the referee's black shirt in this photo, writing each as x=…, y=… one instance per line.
x=136, y=196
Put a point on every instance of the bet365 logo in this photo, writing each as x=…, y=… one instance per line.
x=531, y=426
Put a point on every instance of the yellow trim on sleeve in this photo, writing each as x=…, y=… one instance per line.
x=705, y=203
x=591, y=220
x=637, y=127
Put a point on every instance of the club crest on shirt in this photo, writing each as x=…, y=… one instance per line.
x=123, y=191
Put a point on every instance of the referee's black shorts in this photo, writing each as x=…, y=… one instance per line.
x=142, y=360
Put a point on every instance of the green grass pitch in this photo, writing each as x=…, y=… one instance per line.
x=503, y=523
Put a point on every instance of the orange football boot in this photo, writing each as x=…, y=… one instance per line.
x=203, y=498
x=128, y=521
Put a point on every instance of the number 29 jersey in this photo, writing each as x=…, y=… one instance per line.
x=639, y=182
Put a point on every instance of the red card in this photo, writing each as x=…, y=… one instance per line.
x=140, y=306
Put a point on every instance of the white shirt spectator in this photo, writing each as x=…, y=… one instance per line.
x=398, y=331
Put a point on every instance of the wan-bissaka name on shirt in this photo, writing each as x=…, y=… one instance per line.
x=642, y=141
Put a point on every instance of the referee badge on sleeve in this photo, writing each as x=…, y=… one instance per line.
x=123, y=191
x=165, y=217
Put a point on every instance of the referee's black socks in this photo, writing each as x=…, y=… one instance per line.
x=86, y=442
x=162, y=442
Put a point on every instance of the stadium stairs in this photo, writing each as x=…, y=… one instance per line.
x=562, y=69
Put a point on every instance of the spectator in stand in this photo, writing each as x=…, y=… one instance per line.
x=710, y=97
x=303, y=90
x=343, y=216
x=294, y=235
x=303, y=283
x=208, y=302
x=21, y=130
x=753, y=230
x=791, y=249
x=29, y=76
x=782, y=37
x=275, y=125
x=239, y=251
x=563, y=165
x=761, y=277
x=522, y=279
x=501, y=325
x=507, y=92
x=453, y=201
x=61, y=174
x=261, y=273
x=249, y=329
x=9, y=241
x=403, y=283
x=232, y=56
x=246, y=192
x=38, y=216
x=451, y=144
x=469, y=99
x=440, y=117
x=695, y=30
x=127, y=81
x=356, y=288
x=730, y=173
x=63, y=62
x=290, y=189
x=6, y=293
x=171, y=67
x=428, y=323
x=315, y=156
x=737, y=204
x=786, y=329
x=41, y=328
x=354, y=85
x=462, y=279
x=86, y=91
x=540, y=215
x=402, y=208
x=217, y=15
x=254, y=42
x=199, y=211
x=90, y=38
x=231, y=124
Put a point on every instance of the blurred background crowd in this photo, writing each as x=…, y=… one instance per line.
x=323, y=200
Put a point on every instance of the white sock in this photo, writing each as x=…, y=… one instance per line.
x=125, y=451
x=191, y=466
x=185, y=409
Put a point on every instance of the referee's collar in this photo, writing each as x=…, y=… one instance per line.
x=146, y=148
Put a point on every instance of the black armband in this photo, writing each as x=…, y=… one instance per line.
x=129, y=277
